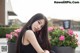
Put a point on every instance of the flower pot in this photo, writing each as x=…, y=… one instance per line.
x=11, y=47
x=63, y=49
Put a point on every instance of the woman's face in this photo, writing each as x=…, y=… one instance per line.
x=37, y=25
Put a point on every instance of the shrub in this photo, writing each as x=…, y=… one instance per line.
x=61, y=37
x=5, y=30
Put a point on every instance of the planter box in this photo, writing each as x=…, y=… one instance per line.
x=63, y=49
x=11, y=47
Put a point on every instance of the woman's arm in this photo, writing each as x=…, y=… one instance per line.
x=30, y=36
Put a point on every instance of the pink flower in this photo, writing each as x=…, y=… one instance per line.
x=61, y=38
x=70, y=32
x=9, y=36
x=76, y=36
x=17, y=30
x=50, y=29
x=15, y=34
x=78, y=43
x=62, y=28
x=11, y=33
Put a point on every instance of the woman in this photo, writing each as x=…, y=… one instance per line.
x=33, y=37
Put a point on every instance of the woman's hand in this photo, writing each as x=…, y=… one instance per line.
x=46, y=51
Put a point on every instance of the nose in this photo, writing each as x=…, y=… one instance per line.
x=39, y=27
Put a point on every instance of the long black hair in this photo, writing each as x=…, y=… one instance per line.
x=42, y=35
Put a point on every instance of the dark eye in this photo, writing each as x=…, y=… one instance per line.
x=39, y=22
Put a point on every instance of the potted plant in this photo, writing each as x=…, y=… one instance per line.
x=4, y=30
x=12, y=38
x=63, y=41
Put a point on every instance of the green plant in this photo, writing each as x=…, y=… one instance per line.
x=62, y=37
x=5, y=30
x=12, y=36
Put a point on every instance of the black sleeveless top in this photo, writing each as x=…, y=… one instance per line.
x=27, y=48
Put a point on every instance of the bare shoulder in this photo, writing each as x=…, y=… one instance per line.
x=33, y=41
x=29, y=33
